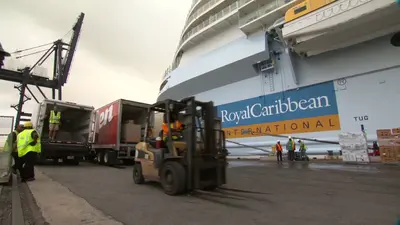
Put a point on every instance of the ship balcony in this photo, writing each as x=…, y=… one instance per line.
x=247, y=6
x=341, y=24
x=255, y=15
x=204, y=12
x=208, y=28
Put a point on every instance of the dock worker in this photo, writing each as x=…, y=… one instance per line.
x=279, y=149
x=3, y=55
x=6, y=155
x=291, y=147
x=54, y=122
x=176, y=128
x=28, y=144
x=11, y=144
x=302, y=149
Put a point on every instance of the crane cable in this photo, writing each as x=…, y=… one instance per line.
x=33, y=53
x=39, y=46
x=27, y=49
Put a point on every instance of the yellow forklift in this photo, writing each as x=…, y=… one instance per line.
x=196, y=160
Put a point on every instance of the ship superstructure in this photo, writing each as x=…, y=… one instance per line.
x=305, y=68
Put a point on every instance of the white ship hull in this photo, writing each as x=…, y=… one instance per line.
x=316, y=97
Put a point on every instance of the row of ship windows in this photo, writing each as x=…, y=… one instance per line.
x=262, y=10
x=202, y=9
x=227, y=10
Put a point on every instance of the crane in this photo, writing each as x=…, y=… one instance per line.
x=63, y=55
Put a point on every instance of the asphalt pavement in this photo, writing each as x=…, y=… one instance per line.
x=256, y=193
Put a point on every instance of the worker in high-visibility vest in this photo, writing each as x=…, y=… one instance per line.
x=279, y=149
x=28, y=144
x=54, y=123
x=302, y=149
x=291, y=147
x=176, y=129
x=11, y=146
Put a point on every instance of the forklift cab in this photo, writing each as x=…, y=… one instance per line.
x=197, y=160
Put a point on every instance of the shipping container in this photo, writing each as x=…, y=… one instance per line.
x=117, y=128
x=71, y=143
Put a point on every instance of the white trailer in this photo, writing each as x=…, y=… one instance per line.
x=71, y=143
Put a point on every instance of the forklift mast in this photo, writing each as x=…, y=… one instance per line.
x=208, y=141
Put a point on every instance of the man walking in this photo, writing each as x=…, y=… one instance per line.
x=278, y=147
x=28, y=143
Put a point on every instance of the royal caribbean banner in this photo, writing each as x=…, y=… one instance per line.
x=308, y=109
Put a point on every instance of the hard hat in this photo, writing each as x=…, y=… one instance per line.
x=298, y=140
x=290, y=137
x=28, y=124
x=278, y=141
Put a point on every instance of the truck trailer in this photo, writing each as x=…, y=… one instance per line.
x=71, y=143
x=117, y=128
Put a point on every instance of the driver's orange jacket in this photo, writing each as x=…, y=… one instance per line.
x=176, y=126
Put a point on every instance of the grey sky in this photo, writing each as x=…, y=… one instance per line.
x=123, y=50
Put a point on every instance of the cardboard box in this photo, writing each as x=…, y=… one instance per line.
x=390, y=154
x=131, y=132
x=389, y=142
x=384, y=133
x=396, y=131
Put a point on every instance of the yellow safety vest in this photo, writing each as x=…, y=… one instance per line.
x=9, y=142
x=23, y=140
x=55, y=118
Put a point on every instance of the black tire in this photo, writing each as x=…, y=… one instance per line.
x=39, y=159
x=137, y=174
x=74, y=162
x=106, y=158
x=100, y=157
x=173, y=178
x=210, y=188
x=55, y=161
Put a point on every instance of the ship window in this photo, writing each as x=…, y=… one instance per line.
x=300, y=9
x=395, y=40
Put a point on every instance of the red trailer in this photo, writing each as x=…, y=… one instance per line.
x=116, y=130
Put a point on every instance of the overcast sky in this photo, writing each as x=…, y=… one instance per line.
x=123, y=50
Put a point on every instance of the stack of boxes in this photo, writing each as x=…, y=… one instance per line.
x=389, y=145
x=131, y=132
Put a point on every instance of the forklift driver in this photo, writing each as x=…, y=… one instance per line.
x=176, y=128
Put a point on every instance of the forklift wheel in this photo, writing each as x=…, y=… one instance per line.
x=137, y=174
x=173, y=178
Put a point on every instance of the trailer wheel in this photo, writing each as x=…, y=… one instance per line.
x=173, y=178
x=106, y=158
x=137, y=174
x=100, y=157
x=210, y=188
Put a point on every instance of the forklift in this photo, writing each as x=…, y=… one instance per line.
x=195, y=161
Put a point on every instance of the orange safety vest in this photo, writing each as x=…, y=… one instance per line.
x=279, y=147
x=177, y=126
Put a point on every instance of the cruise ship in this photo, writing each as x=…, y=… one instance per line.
x=305, y=68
